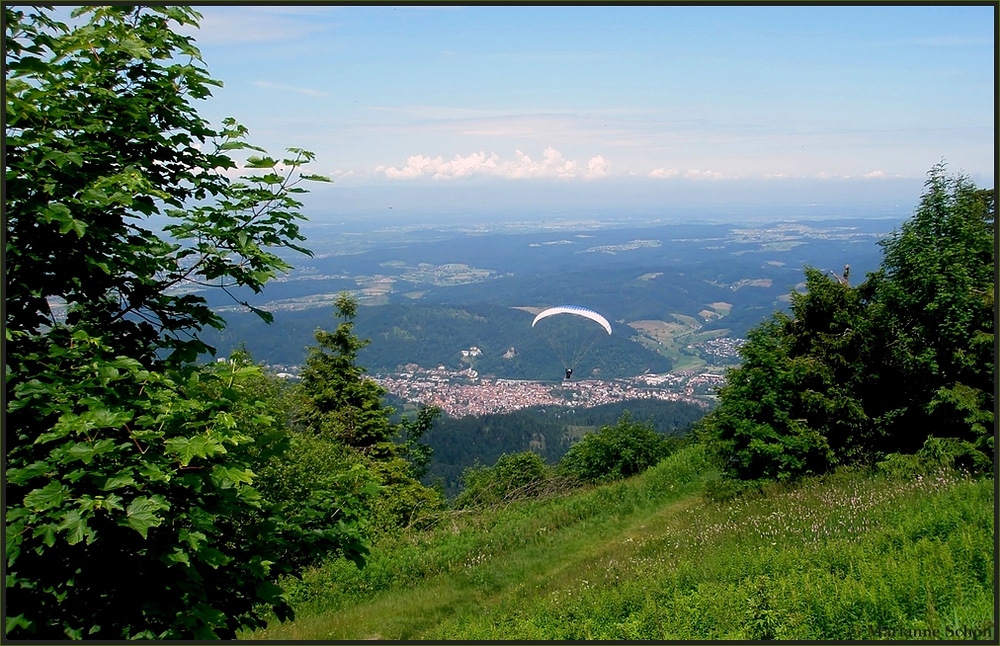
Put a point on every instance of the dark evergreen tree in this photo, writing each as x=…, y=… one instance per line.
x=336, y=403
x=791, y=408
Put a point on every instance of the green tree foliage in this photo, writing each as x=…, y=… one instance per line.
x=336, y=400
x=933, y=313
x=513, y=477
x=101, y=135
x=616, y=451
x=319, y=498
x=336, y=403
x=131, y=509
x=790, y=408
x=855, y=374
x=133, y=476
x=411, y=432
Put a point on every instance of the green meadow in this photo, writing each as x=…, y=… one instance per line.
x=853, y=555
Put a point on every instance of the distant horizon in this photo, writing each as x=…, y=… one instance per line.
x=521, y=224
x=731, y=202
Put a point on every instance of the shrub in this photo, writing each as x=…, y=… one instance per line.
x=403, y=502
x=937, y=453
x=902, y=465
x=514, y=476
x=616, y=452
x=956, y=454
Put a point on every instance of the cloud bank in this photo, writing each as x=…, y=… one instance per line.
x=691, y=173
x=552, y=165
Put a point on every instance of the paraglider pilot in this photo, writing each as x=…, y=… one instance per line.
x=569, y=373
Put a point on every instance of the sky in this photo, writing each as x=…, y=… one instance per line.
x=484, y=111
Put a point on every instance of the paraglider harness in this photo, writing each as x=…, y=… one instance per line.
x=569, y=373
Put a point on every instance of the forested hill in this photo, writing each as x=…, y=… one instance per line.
x=433, y=334
x=459, y=443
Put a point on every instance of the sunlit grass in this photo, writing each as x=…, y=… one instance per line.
x=850, y=556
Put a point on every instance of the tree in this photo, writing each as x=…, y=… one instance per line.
x=130, y=504
x=616, y=451
x=513, y=477
x=318, y=500
x=100, y=137
x=934, y=310
x=790, y=408
x=894, y=365
x=335, y=402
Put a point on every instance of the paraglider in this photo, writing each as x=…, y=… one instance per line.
x=574, y=339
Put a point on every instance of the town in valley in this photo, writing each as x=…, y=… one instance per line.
x=459, y=393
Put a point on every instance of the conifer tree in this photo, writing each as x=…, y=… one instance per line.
x=337, y=403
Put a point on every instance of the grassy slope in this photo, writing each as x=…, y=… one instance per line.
x=845, y=557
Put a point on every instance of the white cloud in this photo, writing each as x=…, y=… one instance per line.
x=694, y=173
x=552, y=165
x=691, y=173
x=875, y=174
x=438, y=168
x=597, y=167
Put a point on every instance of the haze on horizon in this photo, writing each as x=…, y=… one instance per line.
x=719, y=110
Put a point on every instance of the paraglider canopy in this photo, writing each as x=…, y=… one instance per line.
x=573, y=332
x=573, y=309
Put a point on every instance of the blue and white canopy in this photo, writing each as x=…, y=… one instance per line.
x=574, y=309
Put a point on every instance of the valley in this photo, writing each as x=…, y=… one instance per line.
x=448, y=310
x=681, y=296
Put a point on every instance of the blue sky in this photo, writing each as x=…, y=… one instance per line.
x=484, y=109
